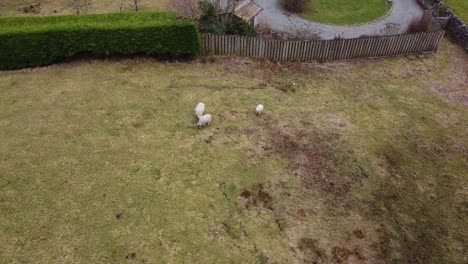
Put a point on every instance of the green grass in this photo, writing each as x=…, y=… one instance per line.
x=362, y=161
x=460, y=7
x=346, y=12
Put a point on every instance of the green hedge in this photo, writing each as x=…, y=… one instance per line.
x=36, y=41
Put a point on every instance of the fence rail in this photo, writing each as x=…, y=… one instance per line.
x=324, y=50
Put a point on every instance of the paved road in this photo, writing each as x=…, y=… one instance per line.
x=396, y=21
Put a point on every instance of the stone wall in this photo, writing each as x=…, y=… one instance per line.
x=459, y=30
x=455, y=26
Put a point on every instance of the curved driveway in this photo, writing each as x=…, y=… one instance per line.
x=396, y=21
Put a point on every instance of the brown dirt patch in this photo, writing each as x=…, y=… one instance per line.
x=209, y=140
x=441, y=148
x=300, y=215
x=359, y=233
x=256, y=197
x=33, y=8
x=315, y=158
x=217, y=232
x=428, y=149
x=268, y=71
x=131, y=255
x=345, y=255
x=284, y=86
x=312, y=253
x=320, y=159
x=119, y=216
x=457, y=145
x=450, y=94
x=454, y=87
x=448, y=120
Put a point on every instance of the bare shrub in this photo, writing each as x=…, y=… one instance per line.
x=263, y=27
x=257, y=197
x=296, y=6
x=80, y=6
x=136, y=4
x=390, y=29
x=188, y=9
x=303, y=31
x=338, y=36
x=33, y=8
x=417, y=25
x=264, y=30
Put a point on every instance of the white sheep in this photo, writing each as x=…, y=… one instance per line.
x=204, y=120
x=199, y=110
x=259, y=110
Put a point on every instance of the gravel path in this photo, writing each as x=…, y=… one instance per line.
x=396, y=21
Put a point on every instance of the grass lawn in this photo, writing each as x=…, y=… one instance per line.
x=460, y=7
x=62, y=7
x=355, y=162
x=346, y=12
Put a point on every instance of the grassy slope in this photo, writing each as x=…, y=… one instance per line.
x=361, y=161
x=460, y=7
x=12, y=7
x=346, y=12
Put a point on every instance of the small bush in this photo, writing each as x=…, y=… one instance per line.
x=417, y=25
x=263, y=27
x=211, y=23
x=208, y=10
x=212, y=26
x=238, y=26
x=36, y=41
x=296, y=6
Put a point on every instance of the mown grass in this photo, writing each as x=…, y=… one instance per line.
x=360, y=161
x=460, y=7
x=63, y=7
x=346, y=12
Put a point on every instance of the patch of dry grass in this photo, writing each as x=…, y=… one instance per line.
x=63, y=7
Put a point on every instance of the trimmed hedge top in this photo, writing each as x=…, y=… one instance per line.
x=107, y=21
x=35, y=41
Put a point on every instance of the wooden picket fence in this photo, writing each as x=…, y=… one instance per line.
x=325, y=50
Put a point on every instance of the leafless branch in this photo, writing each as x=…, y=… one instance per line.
x=188, y=9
